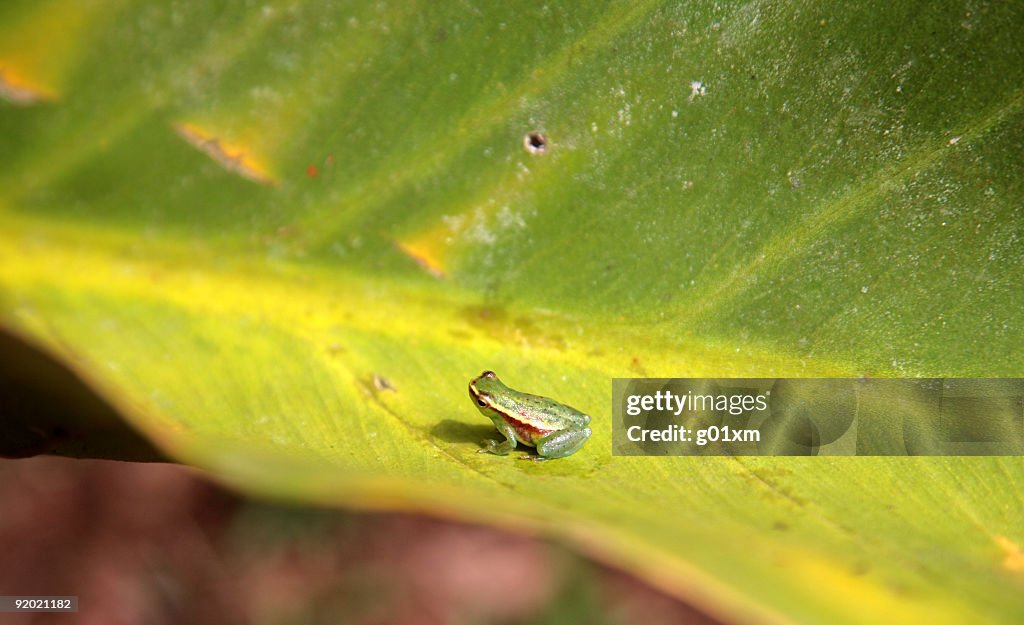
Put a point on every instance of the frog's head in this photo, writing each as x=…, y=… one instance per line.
x=482, y=390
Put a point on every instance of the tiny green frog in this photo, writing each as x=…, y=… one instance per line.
x=556, y=430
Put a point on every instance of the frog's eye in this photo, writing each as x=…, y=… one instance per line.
x=481, y=403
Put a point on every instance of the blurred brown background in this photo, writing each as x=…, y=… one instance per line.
x=157, y=543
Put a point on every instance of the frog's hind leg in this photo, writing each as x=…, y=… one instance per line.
x=563, y=443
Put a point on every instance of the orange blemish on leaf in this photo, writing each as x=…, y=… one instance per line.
x=41, y=43
x=230, y=156
x=1013, y=557
x=19, y=90
x=312, y=171
x=425, y=255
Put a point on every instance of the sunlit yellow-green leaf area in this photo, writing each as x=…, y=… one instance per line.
x=282, y=237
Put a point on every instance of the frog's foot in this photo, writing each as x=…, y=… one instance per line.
x=534, y=458
x=496, y=448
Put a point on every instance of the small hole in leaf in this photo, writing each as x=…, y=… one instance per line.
x=535, y=142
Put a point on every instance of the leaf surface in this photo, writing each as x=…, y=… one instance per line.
x=281, y=240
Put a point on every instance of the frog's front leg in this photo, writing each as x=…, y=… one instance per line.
x=562, y=443
x=501, y=449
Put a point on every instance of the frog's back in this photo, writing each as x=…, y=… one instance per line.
x=541, y=412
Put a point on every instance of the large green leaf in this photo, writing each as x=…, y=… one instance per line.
x=281, y=239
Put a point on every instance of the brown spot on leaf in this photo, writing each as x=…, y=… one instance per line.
x=381, y=383
x=535, y=142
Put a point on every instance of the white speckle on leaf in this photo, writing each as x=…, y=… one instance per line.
x=478, y=230
x=625, y=116
x=697, y=90
x=454, y=222
x=508, y=219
